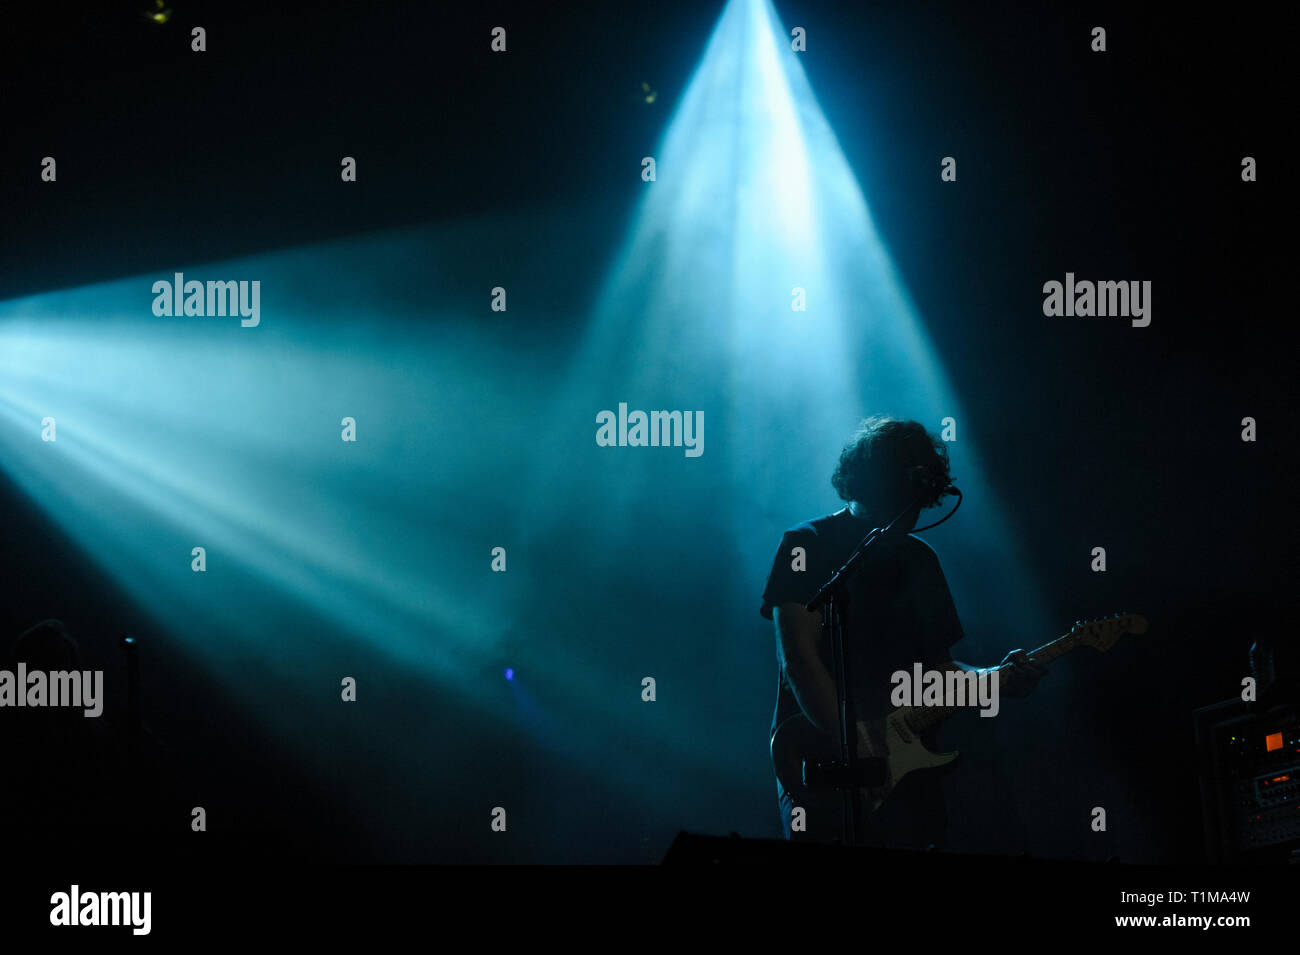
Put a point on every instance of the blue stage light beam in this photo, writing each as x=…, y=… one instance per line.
x=175, y=432
x=324, y=558
x=753, y=205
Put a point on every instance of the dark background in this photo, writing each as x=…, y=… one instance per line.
x=1124, y=165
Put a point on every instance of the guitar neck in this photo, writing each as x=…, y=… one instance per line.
x=923, y=719
x=1057, y=648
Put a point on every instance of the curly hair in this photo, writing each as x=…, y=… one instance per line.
x=879, y=456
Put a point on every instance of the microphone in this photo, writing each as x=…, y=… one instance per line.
x=925, y=480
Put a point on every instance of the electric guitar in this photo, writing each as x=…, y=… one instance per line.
x=896, y=738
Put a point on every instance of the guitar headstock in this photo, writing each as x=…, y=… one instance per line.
x=1104, y=632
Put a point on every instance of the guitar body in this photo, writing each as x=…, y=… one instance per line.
x=796, y=740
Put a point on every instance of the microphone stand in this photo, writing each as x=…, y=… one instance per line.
x=849, y=773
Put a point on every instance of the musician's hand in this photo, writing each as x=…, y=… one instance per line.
x=1019, y=674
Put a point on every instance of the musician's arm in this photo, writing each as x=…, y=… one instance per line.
x=798, y=634
x=1017, y=674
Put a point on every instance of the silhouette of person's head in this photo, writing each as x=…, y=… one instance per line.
x=47, y=646
x=876, y=470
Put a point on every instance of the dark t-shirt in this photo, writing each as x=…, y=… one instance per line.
x=898, y=611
